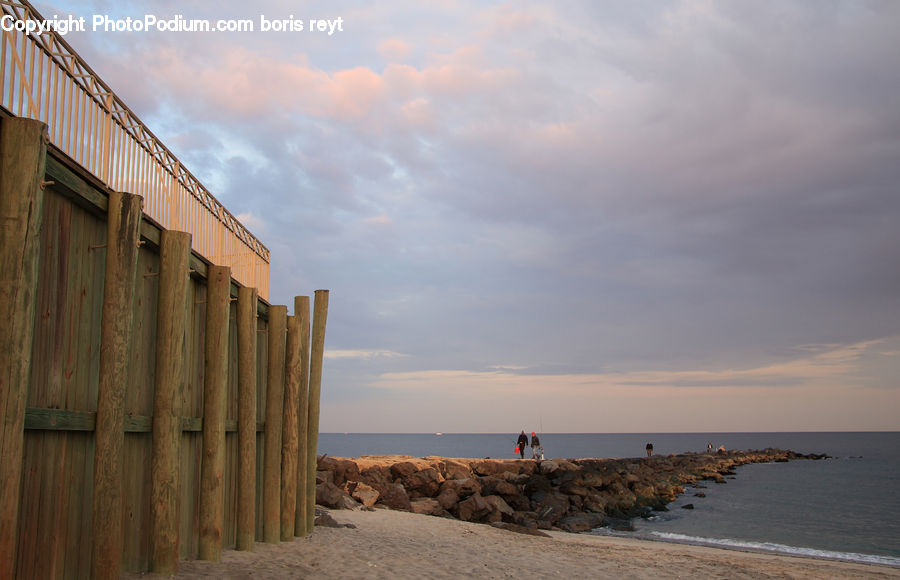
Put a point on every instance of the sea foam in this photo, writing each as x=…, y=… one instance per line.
x=778, y=548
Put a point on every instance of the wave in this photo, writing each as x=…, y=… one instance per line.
x=778, y=548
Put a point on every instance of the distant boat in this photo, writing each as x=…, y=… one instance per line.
x=438, y=433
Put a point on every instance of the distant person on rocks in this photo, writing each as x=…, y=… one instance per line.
x=536, y=451
x=709, y=447
x=522, y=443
x=649, y=449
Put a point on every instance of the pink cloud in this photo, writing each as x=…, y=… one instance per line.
x=394, y=50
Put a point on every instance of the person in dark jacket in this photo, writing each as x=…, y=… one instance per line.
x=649, y=449
x=536, y=451
x=522, y=443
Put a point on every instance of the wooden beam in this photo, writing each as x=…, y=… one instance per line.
x=171, y=326
x=212, y=463
x=301, y=311
x=316, y=357
x=246, y=328
x=23, y=147
x=66, y=420
x=274, y=417
x=289, y=428
x=115, y=333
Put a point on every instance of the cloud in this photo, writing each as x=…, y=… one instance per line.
x=394, y=49
x=832, y=364
x=361, y=354
x=632, y=201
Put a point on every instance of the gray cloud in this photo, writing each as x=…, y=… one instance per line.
x=576, y=189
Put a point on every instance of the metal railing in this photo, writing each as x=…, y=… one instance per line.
x=44, y=78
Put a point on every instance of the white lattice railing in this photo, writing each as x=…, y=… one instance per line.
x=44, y=79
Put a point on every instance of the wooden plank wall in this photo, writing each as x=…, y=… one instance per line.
x=55, y=527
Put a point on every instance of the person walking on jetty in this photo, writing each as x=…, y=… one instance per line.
x=537, y=451
x=521, y=444
x=649, y=449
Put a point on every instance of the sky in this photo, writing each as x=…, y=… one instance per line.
x=579, y=216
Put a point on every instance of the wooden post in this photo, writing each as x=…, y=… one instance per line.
x=212, y=463
x=23, y=148
x=320, y=313
x=272, y=441
x=289, y=435
x=246, y=327
x=301, y=310
x=171, y=326
x=124, y=218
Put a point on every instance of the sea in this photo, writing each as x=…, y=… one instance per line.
x=846, y=507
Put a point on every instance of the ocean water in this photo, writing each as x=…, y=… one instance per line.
x=846, y=507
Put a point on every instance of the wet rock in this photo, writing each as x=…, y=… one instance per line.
x=580, y=523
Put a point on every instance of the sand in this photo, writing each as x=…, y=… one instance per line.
x=394, y=544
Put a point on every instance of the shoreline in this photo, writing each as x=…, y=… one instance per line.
x=395, y=544
x=748, y=547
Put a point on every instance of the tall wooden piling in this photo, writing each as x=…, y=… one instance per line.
x=212, y=464
x=316, y=358
x=124, y=215
x=23, y=147
x=301, y=310
x=274, y=417
x=289, y=435
x=171, y=327
x=246, y=327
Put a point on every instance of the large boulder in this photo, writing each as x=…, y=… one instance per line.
x=595, y=502
x=376, y=474
x=427, y=506
x=537, y=483
x=574, y=487
x=549, y=466
x=500, y=510
x=403, y=469
x=495, y=467
x=454, y=470
x=463, y=487
x=364, y=494
x=492, y=485
x=474, y=508
x=552, y=506
x=448, y=498
x=343, y=470
x=424, y=483
x=330, y=495
x=393, y=496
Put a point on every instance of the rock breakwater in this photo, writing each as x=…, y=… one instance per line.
x=574, y=495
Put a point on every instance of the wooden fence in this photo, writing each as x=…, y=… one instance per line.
x=152, y=409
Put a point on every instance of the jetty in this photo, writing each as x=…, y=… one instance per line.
x=574, y=495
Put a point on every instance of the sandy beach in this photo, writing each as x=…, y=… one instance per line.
x=394, y=544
